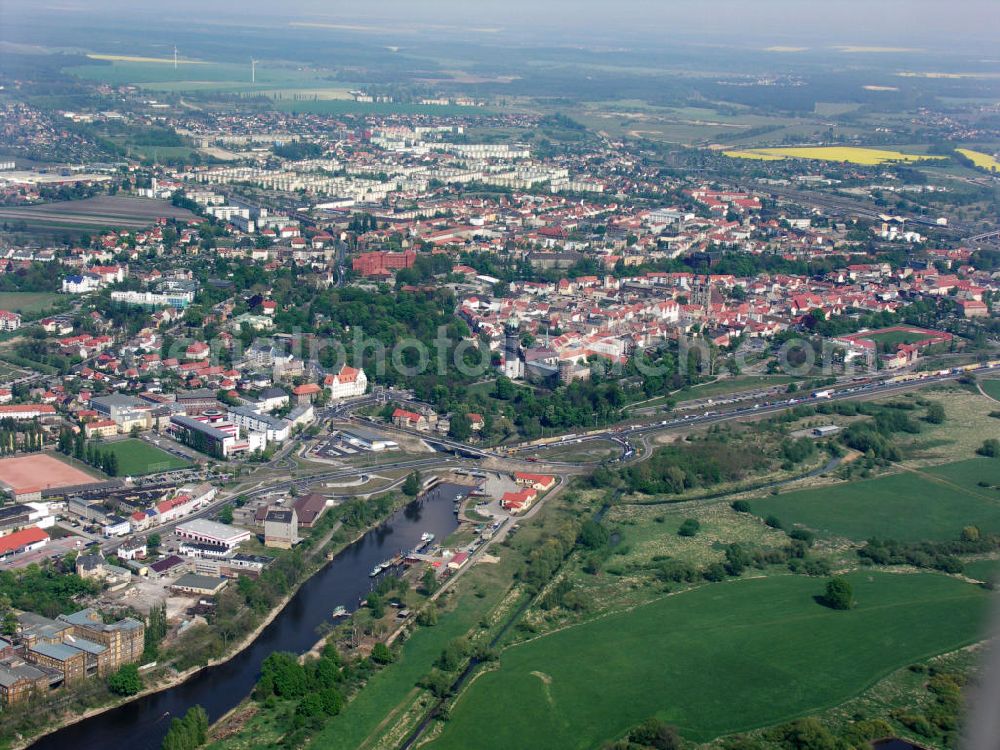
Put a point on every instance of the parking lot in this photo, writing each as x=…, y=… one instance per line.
x=334, y=447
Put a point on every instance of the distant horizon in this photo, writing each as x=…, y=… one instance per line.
x=899, y=25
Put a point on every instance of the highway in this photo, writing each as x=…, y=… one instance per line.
x=632, y=439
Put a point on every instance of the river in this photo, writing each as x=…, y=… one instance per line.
x=141, y=724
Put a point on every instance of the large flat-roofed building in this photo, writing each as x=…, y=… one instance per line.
x=125, y=411
x=244, y=565
x=211, y=532
x=275, y=430
x=193, y=583
x=203, y=436
x=368, y=440
x=21, y=541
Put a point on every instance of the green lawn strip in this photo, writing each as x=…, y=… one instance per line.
x=720, y=659
x=932, y=504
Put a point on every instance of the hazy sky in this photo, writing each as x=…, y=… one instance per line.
x=899, y=22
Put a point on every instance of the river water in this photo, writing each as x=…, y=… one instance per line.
x=345, y=580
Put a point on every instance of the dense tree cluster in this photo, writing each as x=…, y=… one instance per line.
x=839, y=594
x=44, y=590
x=126, y=681
x=932, y=555
x=189, y=732
x=547, y=556
x=156, y=631
x=315, y=689
x=652, y=734
x=27, y=437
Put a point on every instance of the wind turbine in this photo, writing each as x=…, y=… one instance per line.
x=253, y=70
x=175, y=57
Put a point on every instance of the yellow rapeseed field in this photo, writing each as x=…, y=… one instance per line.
x=852, y=154
x=981, y=160
x=135, y=59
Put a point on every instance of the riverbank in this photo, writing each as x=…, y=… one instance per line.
x=177, y=679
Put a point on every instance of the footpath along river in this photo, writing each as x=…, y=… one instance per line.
x=345, y=580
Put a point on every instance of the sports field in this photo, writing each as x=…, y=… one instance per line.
x=920, y=505
x=136, y=457
x=893, y=337
x=852, y=154
x=720, y=659
x=40, y=471
x=981, y=160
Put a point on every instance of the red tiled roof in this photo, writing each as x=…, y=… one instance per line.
x=19, y=539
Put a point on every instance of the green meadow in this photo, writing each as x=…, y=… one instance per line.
x=719, y=659
x=930, y=504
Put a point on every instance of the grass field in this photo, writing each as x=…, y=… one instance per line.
x=929, y=504
x=27, y=303
x=136, y=458
x=854, y=155
x=723, y=658
x=981, y=160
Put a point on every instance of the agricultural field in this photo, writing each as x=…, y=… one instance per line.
x=720, y=659
x=730, y=124
x=340, y=107
x=27, y=303
x=912, y=505
x=851, y=154
x=981, y=160
x=159, y=74
x=136, y=458
x=109, y=211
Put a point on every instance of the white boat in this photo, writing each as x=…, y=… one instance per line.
x=340, y=611
x=426, y=537
x=376, y=570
